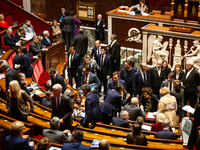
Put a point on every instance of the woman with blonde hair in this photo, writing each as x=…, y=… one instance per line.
x=16, y=102
x=56, y=32
x=20, y=34
x=3, y=23
x=77, y=101
x=168, y=105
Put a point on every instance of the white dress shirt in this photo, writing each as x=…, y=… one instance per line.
x=70, y=60
x=188, y=73
x=113, y=43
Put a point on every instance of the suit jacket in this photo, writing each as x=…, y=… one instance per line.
x=94, y=52
x=120, y=122
x=154, y=102
x=25, y=66
x=190, y=84
x=14, y=142
x=196, y=115
x=58, y=79
x=75, y=146
x=12, y=74
x=81, y=44
x=180, y=76
x=33, y=49
x=91, y=103
x=106, y=68
x=9, y=41
x=69, y=24
x=46, y=43
x=21, y=104
x=46, y=103
x=17, y=60
x=100, y=28
x=134, y=111
x=74, y=64
x=154, y=79
x=55, y=136
x=123, y=75
x=92, y=79
x=166, y=134
x=111, y=84
x=79, y=71
x=138, y=83
x=64, y=111
x=26, y=29
x=158, y=127
x=114, y=52
x=61, y=24
x=166, y=84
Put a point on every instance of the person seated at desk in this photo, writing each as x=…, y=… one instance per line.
x=165, y=133
x=136, y=137
x=78, y=102
x=3, y=23
x=122, y=121
x=104, y=144
x=20, y=34
x=28, y=28
x=24, y=84
x=9, y=40
x=46, y=39
x=48, y=85
x=43, y=144
x=140, y=7
x=47, y=100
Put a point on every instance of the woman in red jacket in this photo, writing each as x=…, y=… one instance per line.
x=3, y=23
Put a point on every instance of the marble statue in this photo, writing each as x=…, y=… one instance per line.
x=177, y=54
x=158, y=49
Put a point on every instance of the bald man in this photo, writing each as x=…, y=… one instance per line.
x=156, y=76
x=104, y=145
x=100, y=25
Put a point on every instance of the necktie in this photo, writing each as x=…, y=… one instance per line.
x=48, y=40
x=101, y=63
x=170, y=88
x=58, y=103
x=85, y=79
x=98, y=51
x=38, y=46
x=145, y=79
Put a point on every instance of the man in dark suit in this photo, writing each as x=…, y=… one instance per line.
x=116, y=80
x=114, y=53
x=46, y=101
x=61, y=107
x=190, y=84
x=60, y=18
x=100, y=25
x=90, y=78
x=80, y=70
x=11, y=74
x=56, y=78
x=77, y=138
x=96, y=50
x=15, y=141
x=140, y=80
x=165, y=133
x=133, y=110
x=156, y=76
x=73, y=63
x=55, y=135
x=122, y=121
x=46, y=39
x=17, y=59
x=81, y=44
x=25, y=66
x=127, y=74
x=69, y=25
x=9, y=40
x=104, y=70
x=91, y=103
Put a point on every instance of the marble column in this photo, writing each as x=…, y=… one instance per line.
x=27, y=5
x=109, y=28
x=144, y=47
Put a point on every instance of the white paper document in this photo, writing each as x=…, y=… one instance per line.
x=150, y=115
x=37, y=92
x=54, y=148
x=146, y=127
x=188, y=108
x=123, y=6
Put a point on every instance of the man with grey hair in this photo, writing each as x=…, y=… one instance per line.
x=91, y=105
x=68, y=93
x=165, y=133
x=55, y=135
x=104, y=145
x=11, y=74
x=114, y=52
x=100, y=25
x=46, y=39
x=190, y=84
x=122, y=121
x=9, y=40
x=61, y=107
x=134, y=110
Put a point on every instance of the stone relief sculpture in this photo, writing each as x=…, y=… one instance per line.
x=157, y=50
x=177, y=54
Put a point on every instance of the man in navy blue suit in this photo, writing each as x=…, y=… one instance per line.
x=17, y=59
x=80, y=70
x=165, y=133
x=73, y=63
x=96, y=50
x=122, y=121
x=91, y=103
x=25, y=66
x=46, y=39
x=104, y=70
x=127, y=74
x=116, y=80
x=140, y=80
x=16, y=141
x=90, y=78
x=76, y=139
x=9, y=40
x=56, y=78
